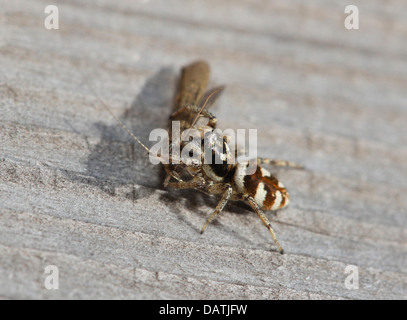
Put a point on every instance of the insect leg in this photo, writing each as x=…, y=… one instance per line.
x=178, y=112
x=170, y=174
x=216, y=189
x=194, y=109
x=195, y=183
x=265, y=221
x=279, y=163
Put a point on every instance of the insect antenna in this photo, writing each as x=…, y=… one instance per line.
x=121, y=123
x=205, y=102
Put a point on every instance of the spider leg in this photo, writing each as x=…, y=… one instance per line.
x=264, y=220
x=226, y=190
x=279, y=163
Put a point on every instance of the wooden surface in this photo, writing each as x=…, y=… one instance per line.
x=77, y=193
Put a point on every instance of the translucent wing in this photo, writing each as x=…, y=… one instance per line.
x=194, y=80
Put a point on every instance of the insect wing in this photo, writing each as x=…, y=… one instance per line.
x=194, y=80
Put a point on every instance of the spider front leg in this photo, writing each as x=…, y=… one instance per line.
x=195, y=183
x=226, y=191
x=279, y=163
x=195, y=109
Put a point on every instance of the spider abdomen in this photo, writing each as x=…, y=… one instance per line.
x=267, y=191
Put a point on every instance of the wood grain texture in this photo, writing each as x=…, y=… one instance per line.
x=76, y=192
